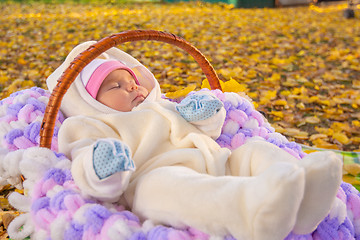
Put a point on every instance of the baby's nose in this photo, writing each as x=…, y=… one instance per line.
x=133, y=86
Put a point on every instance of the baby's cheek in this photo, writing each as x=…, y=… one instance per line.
x=144, y=78
x=144, y=91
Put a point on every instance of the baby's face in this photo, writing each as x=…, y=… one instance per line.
x=119, y=91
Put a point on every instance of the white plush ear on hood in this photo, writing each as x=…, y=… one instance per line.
x=77, y=101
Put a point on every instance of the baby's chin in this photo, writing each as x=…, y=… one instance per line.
x=137, y=103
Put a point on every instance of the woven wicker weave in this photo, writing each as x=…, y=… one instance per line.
x=69, y=75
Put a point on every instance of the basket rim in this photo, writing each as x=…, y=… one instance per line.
x=85, y=57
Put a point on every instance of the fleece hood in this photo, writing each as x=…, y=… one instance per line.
x=77, y=101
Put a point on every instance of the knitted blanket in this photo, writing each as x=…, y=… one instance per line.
x=53, y=207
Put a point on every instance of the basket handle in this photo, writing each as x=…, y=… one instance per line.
x=75, y=67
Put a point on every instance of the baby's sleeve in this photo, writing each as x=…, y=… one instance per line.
x=101, y=166
x=205, y=111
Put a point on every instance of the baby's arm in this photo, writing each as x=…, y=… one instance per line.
x=101, y=166
x=112, y=157
x=205, y=111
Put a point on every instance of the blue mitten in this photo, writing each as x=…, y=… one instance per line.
x=199, y=107
x=111, y=156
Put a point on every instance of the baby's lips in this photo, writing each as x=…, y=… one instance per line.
x=139, y=98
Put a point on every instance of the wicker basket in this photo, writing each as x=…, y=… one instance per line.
x=84, y=58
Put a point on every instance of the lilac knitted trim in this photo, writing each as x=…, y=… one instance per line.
x=24, y=113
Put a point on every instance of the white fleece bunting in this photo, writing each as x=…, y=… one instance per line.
x=182, y=175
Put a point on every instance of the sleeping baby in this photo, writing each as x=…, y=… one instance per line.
x=160, y=159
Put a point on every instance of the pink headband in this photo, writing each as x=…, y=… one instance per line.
x=96, y=71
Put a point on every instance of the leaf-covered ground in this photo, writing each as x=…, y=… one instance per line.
x=300, y=65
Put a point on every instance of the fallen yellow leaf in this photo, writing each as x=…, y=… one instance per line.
x=180, y=93
x=320, y=143
x=342, y=138
x=302, y=135
x=316, y=136
x=353, y=169
x=280, y=102
x=350, y=179
x=278, y=114
x=312, y=120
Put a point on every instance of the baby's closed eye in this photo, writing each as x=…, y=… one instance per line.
x=115, y=86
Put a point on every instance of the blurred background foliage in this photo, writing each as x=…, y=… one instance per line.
x=300, y=65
